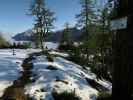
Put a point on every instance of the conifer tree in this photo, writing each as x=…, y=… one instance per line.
x=85, y=18
x=65, y=39
x=85, y=21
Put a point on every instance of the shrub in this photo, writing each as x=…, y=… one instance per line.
x=104, y=96
x=65, y=47
x=65, y=96
x=27, y=64
x=50, y=58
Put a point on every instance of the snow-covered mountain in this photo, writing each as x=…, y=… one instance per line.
x=24, y=36
x=53, y=37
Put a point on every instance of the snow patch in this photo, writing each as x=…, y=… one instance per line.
x=59, y=54
x=10, y=67
x=51, y=45
x=68, y=77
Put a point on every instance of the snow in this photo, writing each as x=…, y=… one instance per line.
x=10, y=66
x=60, y=75
x=66, y=77
x=51, y=45
x=106, y=84
x=59, y=54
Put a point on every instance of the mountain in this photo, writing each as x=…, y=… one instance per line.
x=53, y=37
x=24, y=36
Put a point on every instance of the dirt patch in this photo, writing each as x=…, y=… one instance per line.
x=15, y=93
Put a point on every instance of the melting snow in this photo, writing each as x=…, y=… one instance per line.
x=9, y=67
x=59, y=54
x=51, y=45
x=67, y=77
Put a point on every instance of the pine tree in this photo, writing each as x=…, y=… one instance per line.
x=97, y=39
x=65, y=39
x=65, y=42
x=85, y=18
x=43, y=21
x=104, y=40
x=85, y=22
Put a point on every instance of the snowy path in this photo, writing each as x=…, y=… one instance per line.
x=10, y=67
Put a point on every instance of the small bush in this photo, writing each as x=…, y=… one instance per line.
x=65, y=96
x=50, y=58
x=104, y=96
x=29, y=59
x=27, y=66
x=65, y=47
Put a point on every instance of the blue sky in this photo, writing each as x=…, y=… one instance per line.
x=13, y=18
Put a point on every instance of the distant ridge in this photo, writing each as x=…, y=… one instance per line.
x=53, y=37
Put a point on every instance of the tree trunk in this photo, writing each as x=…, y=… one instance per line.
x=123, y=56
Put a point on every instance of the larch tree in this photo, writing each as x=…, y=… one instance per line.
x=44, y=19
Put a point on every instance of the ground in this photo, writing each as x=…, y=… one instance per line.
x=10, y=67
x=60, y=75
